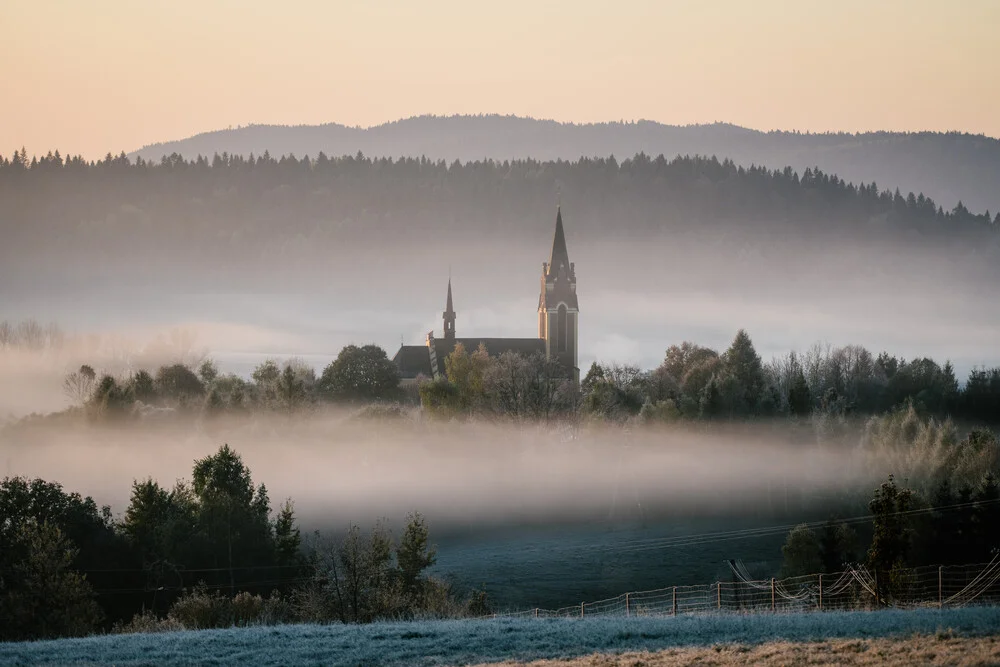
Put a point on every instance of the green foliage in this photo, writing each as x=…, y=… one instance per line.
x=178, y=383
x=661, y=412
x=743, y=381
x=615, y=392
x=801, y=552
x=799, y=398
x=838, y=544
x=208, y=372
x=414, y=555
x=142, y=386
x=925, y=451
x=467, y=373
x=440, y=398
x=40, y=595
x=287, y=539
x=201, y=609
x=710, y=405
x=360, y=374
x=111, y=400
x=891, y=533
x=527, y=387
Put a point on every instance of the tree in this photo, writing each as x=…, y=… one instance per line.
x=291, y=390
x=265, y=377
x=178, y=382
x=287, y=539
x=467, y=371
x=615, y=392
x=837, y=546
x=360, y=374
x=111, y=399
x=801, y=552
x=40, y=594
x=440, y=398
x=799, y=399
x=208, y=372
x=710, y=402
x=79, y=385
x=232, y=511
x=142, y=386
x=680, y=359
x=414, y=554
x=891, y=534
x=742, y=363
x=365, y=568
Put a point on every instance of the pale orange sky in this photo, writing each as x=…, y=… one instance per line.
x=92, y=76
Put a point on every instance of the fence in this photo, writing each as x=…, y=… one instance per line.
x=852, y=589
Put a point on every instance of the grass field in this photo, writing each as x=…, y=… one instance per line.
x=939, y=649
x=492, y=641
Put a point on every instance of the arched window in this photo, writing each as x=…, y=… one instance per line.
x=562, y=329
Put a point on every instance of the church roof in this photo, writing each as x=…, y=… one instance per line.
x=449, y=308
x=415, y=360
x=559, y=256
x=412, y=361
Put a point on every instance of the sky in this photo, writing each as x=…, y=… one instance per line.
x=113, y=75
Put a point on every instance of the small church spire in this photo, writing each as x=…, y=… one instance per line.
x=449, y=317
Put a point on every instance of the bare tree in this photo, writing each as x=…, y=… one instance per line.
x=79, y=385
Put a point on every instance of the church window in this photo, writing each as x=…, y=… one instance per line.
x=562, y=328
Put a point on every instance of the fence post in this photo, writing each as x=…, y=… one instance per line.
x=876, y=588
x=773, y=606
x=536, y=612
x=581, y=609
x=940, y=587
x=673, y=606
x=718, y=595
x=628, y=612
x=821, y=592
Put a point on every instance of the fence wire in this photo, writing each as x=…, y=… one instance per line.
x=853, y=589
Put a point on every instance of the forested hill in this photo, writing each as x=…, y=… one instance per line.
x=242, y=207
x=949, y=167
x=211, y=212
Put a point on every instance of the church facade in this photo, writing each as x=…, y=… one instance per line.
x=558, y=325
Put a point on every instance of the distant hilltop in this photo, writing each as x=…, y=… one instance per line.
x=949, y=167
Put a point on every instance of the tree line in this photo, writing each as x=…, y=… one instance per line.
x=206, y=553
x=831, y=386
x=229, y=207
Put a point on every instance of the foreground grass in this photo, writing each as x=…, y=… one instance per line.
x=471, y=642
x=940, y=649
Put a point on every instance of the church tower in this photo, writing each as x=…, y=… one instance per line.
x=558, y=310
x=449, y=318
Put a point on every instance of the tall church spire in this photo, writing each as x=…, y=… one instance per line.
x=560, y=256
x=449, y=317
x=558, y=308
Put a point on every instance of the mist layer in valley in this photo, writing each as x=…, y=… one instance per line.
x=539, y=513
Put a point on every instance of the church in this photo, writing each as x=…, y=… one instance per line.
x=558, y=314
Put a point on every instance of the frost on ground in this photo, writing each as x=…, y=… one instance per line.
x=939, y=649
x=486, y=641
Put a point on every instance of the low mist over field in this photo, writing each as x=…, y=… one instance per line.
x=340, y=468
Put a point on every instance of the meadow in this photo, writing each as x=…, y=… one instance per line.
x=492, y=640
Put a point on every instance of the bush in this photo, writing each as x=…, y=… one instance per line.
x=199, y=610
x=147, y=622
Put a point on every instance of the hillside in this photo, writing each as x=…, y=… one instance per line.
x=948, y=167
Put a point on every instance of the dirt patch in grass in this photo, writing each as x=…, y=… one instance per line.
x=940, y=649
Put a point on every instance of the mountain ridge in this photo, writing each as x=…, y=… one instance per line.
x=951, y=167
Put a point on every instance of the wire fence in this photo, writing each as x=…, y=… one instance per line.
x=853, y=589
